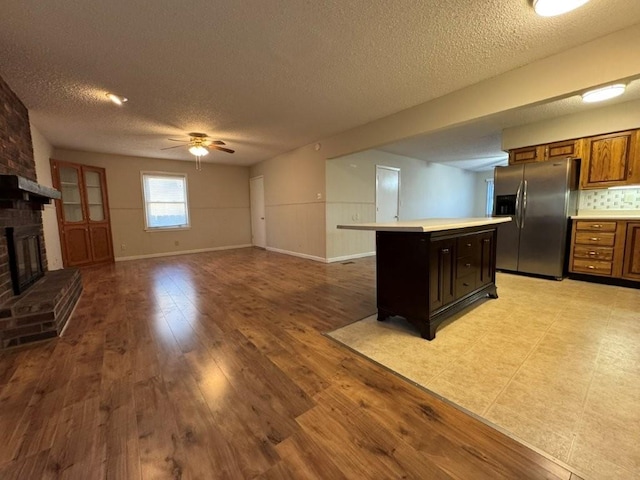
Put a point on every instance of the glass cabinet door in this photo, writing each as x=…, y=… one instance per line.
x=71, y=196
x=95, y=204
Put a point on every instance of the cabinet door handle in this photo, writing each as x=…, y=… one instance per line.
x=445, y=250
x=468, y=244
x=595, y=239
x=465, y=284
x=486, y=240
x=591, y=267
x=597, y=225
x=593, y=253
x=467, y=265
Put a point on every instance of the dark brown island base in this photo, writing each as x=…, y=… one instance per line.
x=428, y=270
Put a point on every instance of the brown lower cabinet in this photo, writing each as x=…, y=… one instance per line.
x=83, y=214
x=631, y=267
x=606, y=248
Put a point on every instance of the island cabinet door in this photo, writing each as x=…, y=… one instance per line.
x=441, y=273
x=402, y=274
x=487, y=254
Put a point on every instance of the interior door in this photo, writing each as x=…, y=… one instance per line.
x=258, y=222
x=387, y=194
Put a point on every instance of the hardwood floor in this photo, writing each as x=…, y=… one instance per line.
x=214, y=366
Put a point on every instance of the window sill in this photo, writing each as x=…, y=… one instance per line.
x=166, y=229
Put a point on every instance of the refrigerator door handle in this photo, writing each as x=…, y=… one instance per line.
x=518, y=204
x=524, y=204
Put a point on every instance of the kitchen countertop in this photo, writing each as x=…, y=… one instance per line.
x=632, y=215
x=427, y=224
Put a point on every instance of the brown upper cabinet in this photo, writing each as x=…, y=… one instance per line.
x=83, y=214
x=543, y=153
x=607, y=160
x=611, y=160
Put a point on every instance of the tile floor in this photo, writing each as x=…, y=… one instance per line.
x=556, y=364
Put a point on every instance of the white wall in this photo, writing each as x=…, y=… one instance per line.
x=42, y=151
x=480, y=200
x=294, y=193
x=426, y=190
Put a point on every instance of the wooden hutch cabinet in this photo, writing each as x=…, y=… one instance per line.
x=83, y=214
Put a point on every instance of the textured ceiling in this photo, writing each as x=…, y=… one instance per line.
x=265, y=76
x=477, y=146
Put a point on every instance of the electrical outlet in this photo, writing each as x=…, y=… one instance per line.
x=123, y=246
x=628, y=197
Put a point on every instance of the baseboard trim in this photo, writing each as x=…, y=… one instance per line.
x=181, y=252
x=296, y=254
x=350, y=257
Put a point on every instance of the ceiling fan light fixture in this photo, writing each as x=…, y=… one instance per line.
x=198, y=150
x=551, y=8
x=117, y=99
x=604, y=93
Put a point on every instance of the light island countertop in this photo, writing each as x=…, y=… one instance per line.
x=427, y=224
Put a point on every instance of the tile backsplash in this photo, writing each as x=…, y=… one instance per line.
x=628, y=199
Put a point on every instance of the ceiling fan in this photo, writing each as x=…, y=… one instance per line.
x=199, y=145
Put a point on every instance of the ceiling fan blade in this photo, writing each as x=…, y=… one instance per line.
x=217, y=142
x=179, y=140
x=228, y=150
x=169, y=148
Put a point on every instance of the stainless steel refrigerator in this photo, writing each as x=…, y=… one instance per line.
x=540, y=197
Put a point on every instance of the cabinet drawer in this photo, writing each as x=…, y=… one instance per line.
x=596, y=225
x=592, y=266
x=468, y=246
x=595, y=238
x=595, y=253
x=466, y=266
x=465, y=285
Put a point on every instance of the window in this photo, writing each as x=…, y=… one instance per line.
x=489, y=210
x=165, y=201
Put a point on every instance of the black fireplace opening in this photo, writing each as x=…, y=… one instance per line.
x=25, y=261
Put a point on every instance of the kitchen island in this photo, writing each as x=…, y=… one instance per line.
x=428, y=270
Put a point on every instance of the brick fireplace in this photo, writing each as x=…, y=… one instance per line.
x=31, y=308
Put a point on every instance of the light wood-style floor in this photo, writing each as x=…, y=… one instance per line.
x=214, y=366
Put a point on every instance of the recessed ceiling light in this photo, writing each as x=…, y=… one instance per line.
x=551, y=8
x=604, y=93
x=117, y=99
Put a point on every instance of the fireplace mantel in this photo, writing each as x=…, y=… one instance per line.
x=16, y=188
